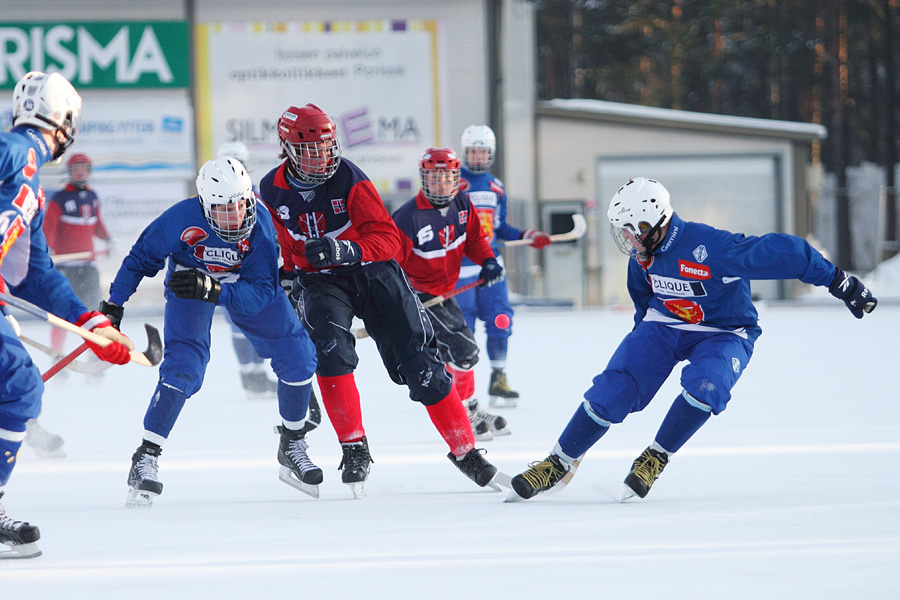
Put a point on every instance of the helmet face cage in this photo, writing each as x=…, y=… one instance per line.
x=225, y=191
x=78, y=169
x=48, y=102
x=309, y=139
x=637, y=214
x=479, y=145
x=439, y=172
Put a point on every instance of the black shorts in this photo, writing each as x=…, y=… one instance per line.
x=456, y=342
x=380, y=295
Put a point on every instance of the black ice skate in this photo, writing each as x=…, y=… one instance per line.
x=645, y=469
x=44, y=443
x=548, y=475
x=19, y=536
x=475, y=466
x=479, y=418
x=143, y=482
x=355, y=466
x=297, y=470
x=499, y=393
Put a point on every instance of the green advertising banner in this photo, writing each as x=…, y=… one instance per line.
x=98, y=54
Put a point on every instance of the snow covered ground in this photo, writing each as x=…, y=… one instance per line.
x=790, y=493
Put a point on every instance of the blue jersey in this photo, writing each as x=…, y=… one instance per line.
x=488, y=196
x=699, y=278
x=247, y=269
x=26, y=266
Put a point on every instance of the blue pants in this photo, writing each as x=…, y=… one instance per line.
x=486, y=303
x=21, y=389
x=275, y=333
x=646, y=357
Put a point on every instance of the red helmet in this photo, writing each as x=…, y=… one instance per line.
x=309, y=139
x=82, y=175
x=439, y=172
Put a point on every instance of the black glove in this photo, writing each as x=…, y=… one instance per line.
x=330, y=252
x=491, y=272
x=853, y=292
x=113, y=312
x=191, y=284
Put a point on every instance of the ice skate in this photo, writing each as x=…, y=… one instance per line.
x=499, y=393
x=479, y=417
x=355, y=466
x=475, y=466
x=548, y=475
x=20, y=537
x=44, y=443
x=143, y=483
x=297, y=470
x=645, y=469
x=257, y=384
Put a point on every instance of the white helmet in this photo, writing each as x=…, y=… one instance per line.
x=478, y=136
x=637, y=213
x=48, y=102
x=222, y=182
x=236, y=150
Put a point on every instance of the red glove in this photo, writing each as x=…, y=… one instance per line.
x=118, y=351
x=539, y=239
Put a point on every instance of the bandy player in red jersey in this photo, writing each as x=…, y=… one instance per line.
x=338, y=243
x=440, y=227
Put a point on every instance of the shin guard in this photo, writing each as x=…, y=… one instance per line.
x=451, y=419
x=341, y=399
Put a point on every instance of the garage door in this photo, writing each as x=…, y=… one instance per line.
x=740, y=193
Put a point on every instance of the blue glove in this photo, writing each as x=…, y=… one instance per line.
x=491, y=272
x=331, y=252
x=853, y=292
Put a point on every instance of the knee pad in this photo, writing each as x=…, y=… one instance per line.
x=614, y=395
x=426, y=377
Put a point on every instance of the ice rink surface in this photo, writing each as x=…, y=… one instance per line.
x=791, y=493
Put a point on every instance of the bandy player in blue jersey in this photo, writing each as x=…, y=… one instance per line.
x=439, y=228
x=690, y=284
x=46, y=117
x=220, y=251
x=488, y=196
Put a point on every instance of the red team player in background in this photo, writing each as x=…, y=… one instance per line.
x=71, y=223
x=338, y=243
x=440, y=227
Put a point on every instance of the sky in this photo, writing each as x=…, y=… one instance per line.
x=789, y=493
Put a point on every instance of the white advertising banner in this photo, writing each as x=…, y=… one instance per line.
x=378, y=80
x=131, y=136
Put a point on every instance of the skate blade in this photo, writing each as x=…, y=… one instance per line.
x=58, y=453
x=500, y=479
x=500, y=402
x=358, y=489
x=501, y=432
x=483, y=437
x=513, y=497
x=30, y=550
x=139, y=498
x=288, y=477
x=627, y=494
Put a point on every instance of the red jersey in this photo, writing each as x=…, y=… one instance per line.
x=72, y=220
x=435, y=241
x=346, y=207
